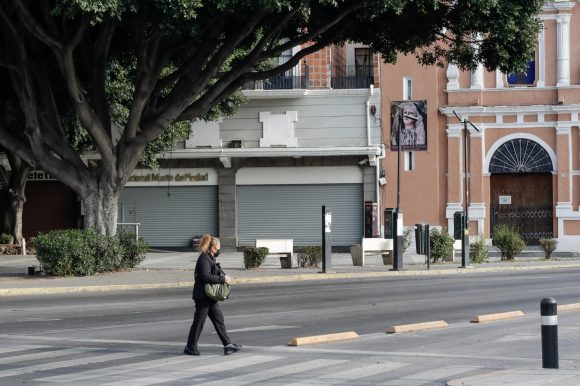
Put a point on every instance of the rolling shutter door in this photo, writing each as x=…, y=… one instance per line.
x=294, y=211
x=170, y=217
x=49, y=205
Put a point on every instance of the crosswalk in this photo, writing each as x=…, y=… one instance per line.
x=51, y=364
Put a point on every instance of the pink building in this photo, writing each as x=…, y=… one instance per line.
x=523, y=163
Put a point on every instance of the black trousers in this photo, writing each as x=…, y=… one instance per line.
x=203, y=309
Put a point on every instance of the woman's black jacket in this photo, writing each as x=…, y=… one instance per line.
x=206, y=271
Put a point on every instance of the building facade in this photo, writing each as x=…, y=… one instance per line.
x=306, y=138
x=519, y=164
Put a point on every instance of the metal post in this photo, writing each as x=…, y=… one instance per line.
x=428, y=246
x=326, y=239
x=465, y=235
x=397, y=244
x=549, y=313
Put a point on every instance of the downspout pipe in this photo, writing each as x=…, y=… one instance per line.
x=368, y=112
x=379, y=159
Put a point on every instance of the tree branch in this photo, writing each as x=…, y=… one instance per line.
x=34, y=27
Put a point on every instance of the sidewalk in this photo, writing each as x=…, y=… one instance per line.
x=170, y=269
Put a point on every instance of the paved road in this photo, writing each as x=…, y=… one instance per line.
x=137, y=337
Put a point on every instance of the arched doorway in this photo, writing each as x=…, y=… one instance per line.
x=521, y=189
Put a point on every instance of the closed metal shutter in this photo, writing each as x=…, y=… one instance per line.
x=170, y=217
x=295, y=211
x=49, y=205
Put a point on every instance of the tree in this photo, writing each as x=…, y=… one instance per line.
x=144, y=66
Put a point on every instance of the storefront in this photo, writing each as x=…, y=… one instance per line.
x=170, y=205
x=286, y=203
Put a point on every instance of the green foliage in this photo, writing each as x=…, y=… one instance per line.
x=86, y=252
x=309, y=256
x=478, y=252
x=5, y=238
x=508, y=241
x=134, y=251
x=441, y=244
x=548, y=246
x=254, y=257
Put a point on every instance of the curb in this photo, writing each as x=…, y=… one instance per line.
x=498, y=316
x=273, y=279
x=320, y=339
x=569, y=307
x=404, y=328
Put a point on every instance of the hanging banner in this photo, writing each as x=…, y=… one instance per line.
x=410, y=119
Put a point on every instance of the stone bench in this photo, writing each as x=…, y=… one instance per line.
x=380, y=246
x=283, y=247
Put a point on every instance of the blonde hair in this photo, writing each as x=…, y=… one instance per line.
x=206, y=242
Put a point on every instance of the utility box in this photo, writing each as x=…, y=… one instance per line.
x=390, y=217
x=458, y=225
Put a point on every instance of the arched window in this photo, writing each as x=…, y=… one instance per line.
x=520, y=155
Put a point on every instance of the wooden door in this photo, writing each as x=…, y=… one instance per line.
x=524, y=202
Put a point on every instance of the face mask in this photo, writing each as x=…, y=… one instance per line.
x=217, y=253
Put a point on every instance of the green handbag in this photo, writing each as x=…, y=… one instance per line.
x=218, y=291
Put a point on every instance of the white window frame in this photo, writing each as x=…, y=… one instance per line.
x=409, y=161
x=407, y=88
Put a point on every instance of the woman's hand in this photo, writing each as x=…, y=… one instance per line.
x=227, y=279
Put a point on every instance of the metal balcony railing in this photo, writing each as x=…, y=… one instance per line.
x=344, y=77
x=280, y=82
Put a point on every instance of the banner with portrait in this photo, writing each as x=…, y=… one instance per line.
x=409, y=118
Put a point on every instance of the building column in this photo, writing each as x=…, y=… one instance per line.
x=563, y=49
x=476, y=196
x=227, y=207
x=541, y=58
x=454, y=173
x=477, y=77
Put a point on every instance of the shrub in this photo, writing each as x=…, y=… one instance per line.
x=134, y=251
x=441, y=244
x=548, y=246
x=309, y=256
x=407, y=237
x=508, y=241
x=86, y=252
x=64, y=252
x=478, y=251
x=5, y=238
x=254, y=257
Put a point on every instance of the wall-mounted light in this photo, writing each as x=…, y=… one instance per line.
x=373, y=109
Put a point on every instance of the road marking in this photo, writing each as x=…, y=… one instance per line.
x=351, y=375
x=259, y=328
x=43, y=355
x=197, y=371
x=67, y=363
x=434, y=374
x=277, y=372
x=4, y=350
x=122, y=369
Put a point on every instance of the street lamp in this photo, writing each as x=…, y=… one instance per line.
x=397, y=226
x=467, y=184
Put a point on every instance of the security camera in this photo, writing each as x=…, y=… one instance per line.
x=363, y=161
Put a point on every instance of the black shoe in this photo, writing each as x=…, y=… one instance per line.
x=232, y=348
x=191, y=351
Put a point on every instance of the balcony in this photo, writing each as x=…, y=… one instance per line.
x=345, y=77
x=280, y=82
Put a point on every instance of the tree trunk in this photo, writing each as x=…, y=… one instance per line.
x=100, y=210
x=16, y=198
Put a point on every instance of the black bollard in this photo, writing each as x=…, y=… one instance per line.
x=549, y=313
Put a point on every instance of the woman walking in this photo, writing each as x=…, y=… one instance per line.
x=207, y=271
